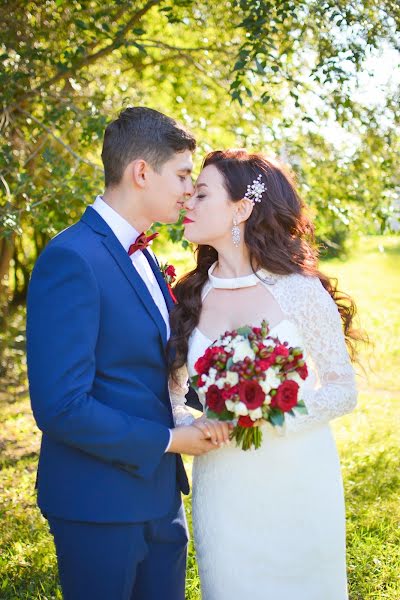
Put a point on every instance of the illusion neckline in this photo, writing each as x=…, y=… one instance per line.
x=235, y=283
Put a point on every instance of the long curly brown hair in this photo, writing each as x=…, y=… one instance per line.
x=278, y=234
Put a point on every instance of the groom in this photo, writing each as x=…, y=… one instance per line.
x=110, y=471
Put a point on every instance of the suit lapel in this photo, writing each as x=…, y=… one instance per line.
x=125, y=263
x=93, y=219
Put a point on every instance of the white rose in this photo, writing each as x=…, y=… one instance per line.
x=210, y=379
x=242, y=350
x=241, y=409
x=231, y=378
x=256, y=414
x=230, y=405
x=220, y=382
x=272, y=379
x=212, y=373
x=266, y=388
x=267, y=399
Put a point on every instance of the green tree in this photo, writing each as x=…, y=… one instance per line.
x=246, y=72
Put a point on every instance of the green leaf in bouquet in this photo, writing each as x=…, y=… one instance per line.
x=301, y=410
x=245, y=330
x=226, y=415
x=277, y=418
x=301, y=403
x=194, y=381
x=229, y=363
x=211, y=414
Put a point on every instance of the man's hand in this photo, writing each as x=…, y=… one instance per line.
x=217, y=431
x=190, y=440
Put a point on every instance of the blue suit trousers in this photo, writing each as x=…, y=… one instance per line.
x=122, y=561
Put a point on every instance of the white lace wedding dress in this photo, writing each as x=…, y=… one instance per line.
x=269, y=524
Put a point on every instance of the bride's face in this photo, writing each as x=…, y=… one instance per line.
x=210, y=211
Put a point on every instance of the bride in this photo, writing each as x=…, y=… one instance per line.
x=269, y=524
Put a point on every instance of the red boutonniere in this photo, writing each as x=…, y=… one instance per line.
x=169, y=274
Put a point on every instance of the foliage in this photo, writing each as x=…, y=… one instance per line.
x=368, y=444
x=260, y=74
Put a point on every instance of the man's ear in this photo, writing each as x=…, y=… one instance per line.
x=137, y=172
x=243, y=210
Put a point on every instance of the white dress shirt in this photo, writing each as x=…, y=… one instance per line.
x=126, y=235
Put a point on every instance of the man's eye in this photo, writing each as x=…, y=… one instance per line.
x=182, y=177
x=200, y=196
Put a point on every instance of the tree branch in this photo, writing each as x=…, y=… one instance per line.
x=90, y=58
x=60, y=141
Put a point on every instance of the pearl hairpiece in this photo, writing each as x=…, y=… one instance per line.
x=255, y=190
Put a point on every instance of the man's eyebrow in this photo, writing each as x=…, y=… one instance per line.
x=201, y=184
x=185, y=170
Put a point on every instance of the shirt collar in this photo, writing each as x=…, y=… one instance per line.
x=123, y=231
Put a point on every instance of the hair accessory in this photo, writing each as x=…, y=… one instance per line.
x=255, y=190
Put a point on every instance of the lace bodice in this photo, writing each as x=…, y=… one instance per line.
x=330, y=390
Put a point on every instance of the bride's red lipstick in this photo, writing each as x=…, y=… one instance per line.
x=187, y=220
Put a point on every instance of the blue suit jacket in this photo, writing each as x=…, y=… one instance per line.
x=98, y=381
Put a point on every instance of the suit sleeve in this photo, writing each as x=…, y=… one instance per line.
x=63, y=314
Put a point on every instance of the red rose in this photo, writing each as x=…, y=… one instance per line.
x=286, y=396
x=170, y=271
x=251, y=393
x=265, y=363
x=217, y=350
x=302, y=371
x=226, y=394
x=202, y=365
x=281, y=350
x=245, y=422
x=214, y=399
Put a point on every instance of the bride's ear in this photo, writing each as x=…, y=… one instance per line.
x=243, y=210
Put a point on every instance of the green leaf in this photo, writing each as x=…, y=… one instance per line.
x=212, y=415
x=276, y=418
x=229, y=363
x=244, y=331
x=301, y=410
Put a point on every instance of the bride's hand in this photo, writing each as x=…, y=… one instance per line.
x=216, y=431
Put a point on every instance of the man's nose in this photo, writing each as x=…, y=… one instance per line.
x=189, y=188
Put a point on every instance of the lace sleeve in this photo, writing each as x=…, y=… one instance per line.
x=321, y=327
x=178, y=388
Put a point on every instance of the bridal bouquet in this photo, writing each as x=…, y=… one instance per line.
x=249, y=377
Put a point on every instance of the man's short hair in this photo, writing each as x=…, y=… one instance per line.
x=141, y=132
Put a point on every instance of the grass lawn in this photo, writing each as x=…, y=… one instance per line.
x=368, y=440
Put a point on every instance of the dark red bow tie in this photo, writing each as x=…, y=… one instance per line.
x=141, y=242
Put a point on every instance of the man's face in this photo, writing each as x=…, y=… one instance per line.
x=168, y=190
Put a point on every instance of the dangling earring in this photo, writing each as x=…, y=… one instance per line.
x=235, y=233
